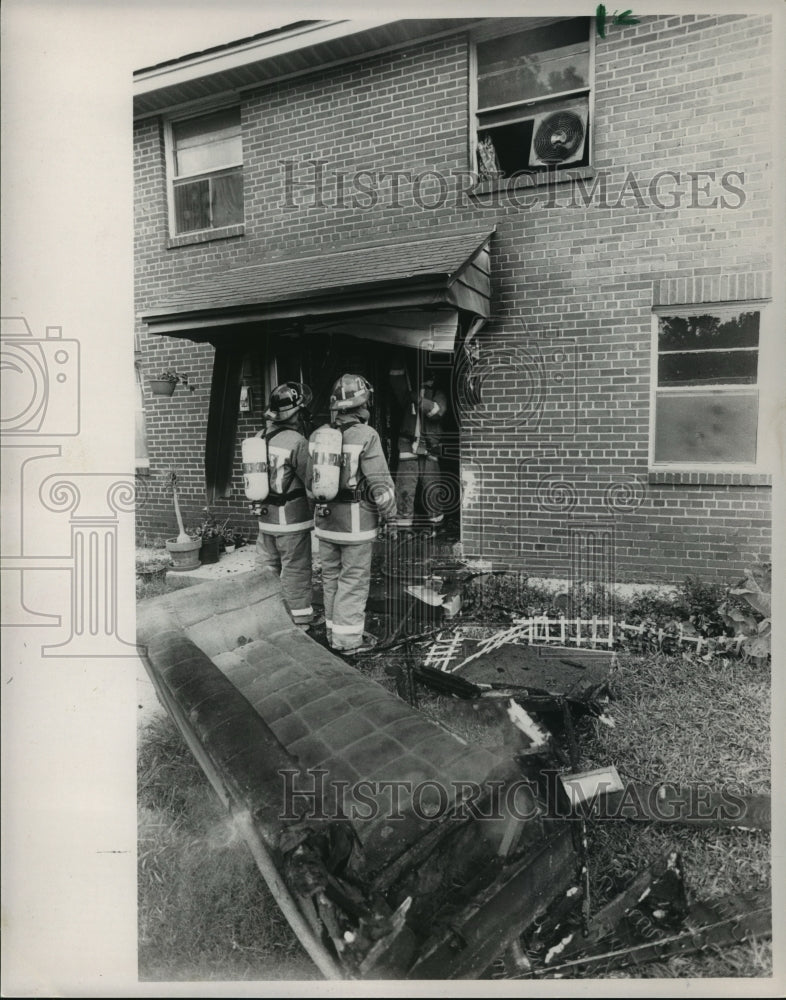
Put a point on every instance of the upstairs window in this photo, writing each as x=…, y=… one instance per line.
x=207, y=172
x=708, y=379
x=533, y=98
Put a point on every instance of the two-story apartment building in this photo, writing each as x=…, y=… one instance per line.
x=573, y=230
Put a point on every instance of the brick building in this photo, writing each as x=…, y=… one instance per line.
x=574, y=230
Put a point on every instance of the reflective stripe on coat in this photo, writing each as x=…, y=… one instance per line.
x=364, y=470
x=287, y=454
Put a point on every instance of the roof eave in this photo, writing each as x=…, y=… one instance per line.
x=272, y=56
x=203, y=64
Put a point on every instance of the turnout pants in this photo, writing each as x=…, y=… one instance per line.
x=289, y=555
x=346, y=576
x=422, y=470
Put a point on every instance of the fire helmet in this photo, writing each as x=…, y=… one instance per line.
x=285, y=400
x=350, y=392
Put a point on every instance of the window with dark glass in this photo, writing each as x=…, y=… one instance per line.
x=207, y=188
x=533, y=90
x=707, y=394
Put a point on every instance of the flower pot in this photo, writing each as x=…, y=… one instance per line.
x=185, y=555
x=229, y=548
x=151, y=574
x=161, y=386
x=209, y=553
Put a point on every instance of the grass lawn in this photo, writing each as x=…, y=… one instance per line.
x=205, y=912
x=682, y=721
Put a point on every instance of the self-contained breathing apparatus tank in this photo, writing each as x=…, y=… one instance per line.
x=325, y=447
x=326, y=444
x=255, y=465
x=285, y=400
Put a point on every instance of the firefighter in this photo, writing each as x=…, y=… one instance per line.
x=349, y=514
x=285, y=519
x=419, y=447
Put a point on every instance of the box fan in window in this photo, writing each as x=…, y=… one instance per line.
x=559, y=136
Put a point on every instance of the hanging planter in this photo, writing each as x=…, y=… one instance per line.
x=167, y=381
x=161, y=387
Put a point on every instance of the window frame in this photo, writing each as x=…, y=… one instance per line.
x=529, y=176
x=762, y=388
x=172, y=177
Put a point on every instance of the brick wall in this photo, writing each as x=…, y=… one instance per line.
x=557, y=454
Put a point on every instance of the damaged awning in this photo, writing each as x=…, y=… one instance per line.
x=426, y=329
x=406, y=292
x=397, y=292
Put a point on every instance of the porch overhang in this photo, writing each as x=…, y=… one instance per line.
x=364, y=285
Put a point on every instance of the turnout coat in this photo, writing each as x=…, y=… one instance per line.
x=366, y=495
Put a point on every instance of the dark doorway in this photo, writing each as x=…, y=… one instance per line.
x=320, y=359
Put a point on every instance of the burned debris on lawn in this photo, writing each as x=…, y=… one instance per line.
x=493, y=872
x=545, y=686
x=649, y=921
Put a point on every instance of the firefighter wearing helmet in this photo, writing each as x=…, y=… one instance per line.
x=285, y=520
x=349, y=507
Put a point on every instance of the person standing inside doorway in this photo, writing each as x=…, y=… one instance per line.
x=347, y=525
x=419, y=447
x=285, y=521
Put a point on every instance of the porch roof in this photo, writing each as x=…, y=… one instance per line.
x=450, y=270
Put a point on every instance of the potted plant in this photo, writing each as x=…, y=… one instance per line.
x=184, y=549
x=228, y=539
x=152, y=567
x=211, y=534
x=167, y=381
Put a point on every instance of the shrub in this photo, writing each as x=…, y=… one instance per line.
x=702, y=601
x=747, y=609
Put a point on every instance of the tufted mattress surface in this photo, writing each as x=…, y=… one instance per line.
x=328, y=715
